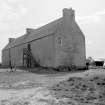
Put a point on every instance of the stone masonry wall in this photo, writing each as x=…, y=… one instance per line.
x=71, y=49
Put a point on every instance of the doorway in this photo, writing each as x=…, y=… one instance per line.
x=28, y=55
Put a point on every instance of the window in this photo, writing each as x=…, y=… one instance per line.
x=60, y=41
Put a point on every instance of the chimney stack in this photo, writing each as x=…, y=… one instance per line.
x=68, y=13
x=28, y=30
x=11, y=40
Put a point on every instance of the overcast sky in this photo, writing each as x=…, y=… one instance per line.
x=16, y=15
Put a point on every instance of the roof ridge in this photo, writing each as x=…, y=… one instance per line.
x=39, y=32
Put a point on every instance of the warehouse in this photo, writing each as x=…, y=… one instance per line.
x=60, y=42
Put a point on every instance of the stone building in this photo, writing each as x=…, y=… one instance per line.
x=60, y=42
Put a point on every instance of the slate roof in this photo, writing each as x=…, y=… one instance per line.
x=17, y=41
x=35, y=34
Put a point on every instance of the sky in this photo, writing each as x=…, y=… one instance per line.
x=17, y=15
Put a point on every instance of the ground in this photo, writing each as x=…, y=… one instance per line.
x=25, y=88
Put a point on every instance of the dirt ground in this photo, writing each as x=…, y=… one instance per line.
x=25, y=88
